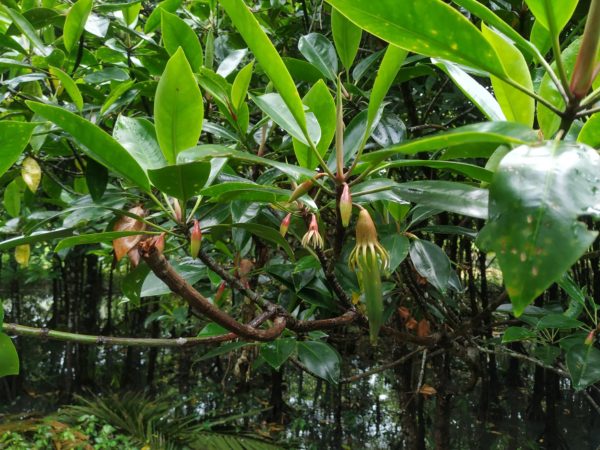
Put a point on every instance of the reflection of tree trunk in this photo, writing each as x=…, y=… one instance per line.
x=408, y=405
x=513, y=375
x=491, y=389
x=339, y=436
x=534, y=410
x=552, y=434
x=277, y=406
x=442, y=412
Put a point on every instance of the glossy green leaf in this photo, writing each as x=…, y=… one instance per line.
x=208, y=152
x=540, y=37
x=428, y=27
x=116, y=94
x=14, y=136
x=178, y=108
x=9, y=359
x=138, y=137
x=552, y=14
x=95, y=238
x=319, y=51
x=470, y=170
x=27, y=29
x=95, y=143
x=346, y=37
x=487, y=132
x=176, y=33
x=276, y=353
x=446, y=196
x=550, y=122
x=190, y=270
x=390, y=65
x=239, y=89
x=320, y=359
x=322, y=106
x=536, y=198
x=75, y=23
x=516, y=105
x=246, y=191
x=583, y=362
x=268, y=234
x=514, y=334
x=266, y=55
x=590, y=133
x=480, y=96
x=275, y=107
x=69, y=86
x=432, y=263
x=397, y=246
x=96, y=178
x=182, y=181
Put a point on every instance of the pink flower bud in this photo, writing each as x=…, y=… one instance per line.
x=589, y=340
x=195, y=239
x=159, y=242
x=285, y=224
x=345, y=205
x=220, y=291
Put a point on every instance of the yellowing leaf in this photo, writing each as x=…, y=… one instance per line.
x=31, y=173
x=22, y=253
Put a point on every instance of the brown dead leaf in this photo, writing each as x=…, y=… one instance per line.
x=411, y=324
x=123, y=245
x=404, y=312
x=423, y=328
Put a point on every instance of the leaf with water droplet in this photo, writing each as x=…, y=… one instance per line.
x=536, y=199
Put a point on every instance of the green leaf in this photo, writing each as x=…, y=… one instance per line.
x=138, y=137
x=540, y=37
x=132, y=283
x=428, y=27
x=75, y=23
x=319, y=51
x=176, y=33
x=190, y=270
x=552, y=14
x=182, y=181
x=322, y=106
x=96, y=143
x=558, y=321
x=178, y=108
x=42, y=236
x=69, y=86
x=470, y=170
x=536, y=198
x=346, y=37
x=9, y=360
x=95, y=238
x=474, y=91
x=514, y=334
x=27, y=29
x=246, y=191
x=583, y=362
x=516, y=105
x=12, y=198
x=14, y=136
x=432, y=263
x=239, y=89
x=446, y=196
x=550, y=122
x=397, y=246
x=275, y=107
x=268, y=234
x=213, y=329
x=277, y=352
x=208, y=152
x=486, y=132
x=96, y=178
x=320, y=359
x=155, y=17
x=115, y=94
x=590, y=133
x=390, y=65
x=267, y=56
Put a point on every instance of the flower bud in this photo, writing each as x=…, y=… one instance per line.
x=195, y=239
x=585, y=66
x=312, y=238
x=345, y=205
x=159, y=242
x=285, y=224
x=301, y=190
x=589, y=340
x=177, y=210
